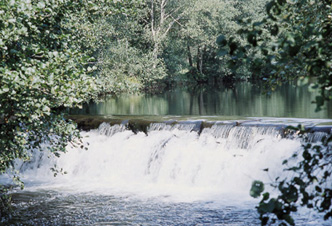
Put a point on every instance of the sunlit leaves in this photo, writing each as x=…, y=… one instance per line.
x=46, y=66
x=43, y=69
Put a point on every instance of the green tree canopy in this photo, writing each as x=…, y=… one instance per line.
x=293, y=41
x=47, y=64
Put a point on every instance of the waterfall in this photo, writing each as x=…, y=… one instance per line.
x=168, y=159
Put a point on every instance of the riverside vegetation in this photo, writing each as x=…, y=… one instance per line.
x=57, y=54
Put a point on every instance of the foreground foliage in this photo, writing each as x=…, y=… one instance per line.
x=308, y=183
x=293, y=42
x=43, y=69
x=47, y=65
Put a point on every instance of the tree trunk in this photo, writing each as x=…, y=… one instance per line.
x=155, y=54
x=197, y=58
x=202, y=59
x=190, y=59
x=162, y=20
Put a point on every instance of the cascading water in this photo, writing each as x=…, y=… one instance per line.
x=176, y=164
x=168, y=160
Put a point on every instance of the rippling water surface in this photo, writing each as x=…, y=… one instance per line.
x=59, y=208
x=55, y=208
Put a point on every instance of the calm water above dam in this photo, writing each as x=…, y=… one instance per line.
x=244, y=99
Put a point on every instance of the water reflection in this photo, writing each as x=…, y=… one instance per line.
x=243, y=99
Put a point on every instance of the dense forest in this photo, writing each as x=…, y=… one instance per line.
x=60, y=54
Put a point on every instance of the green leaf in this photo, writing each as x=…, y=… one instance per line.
x=266, y=196
x=289, y=219
x=290, y=193
x=298, y=181
x=232, y=46
x=319, y=100
x=269, y=7
x=221, y=41
x=257, y=24
x=222, y=53
x=251, y=37
x=281, y=2
x=318, y=189
x=41, y=4
x=4, y=90
x=274, y=30
x=294, y=50
x=257, y=187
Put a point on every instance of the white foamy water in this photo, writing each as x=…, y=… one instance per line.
x=169, y=161
x=171, y=175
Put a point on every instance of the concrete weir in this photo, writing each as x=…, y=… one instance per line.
x=197, y=124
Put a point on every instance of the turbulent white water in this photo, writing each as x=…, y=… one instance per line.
x=170, y=161
x=171, y=175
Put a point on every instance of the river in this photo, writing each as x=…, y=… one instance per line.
x=176, y=172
